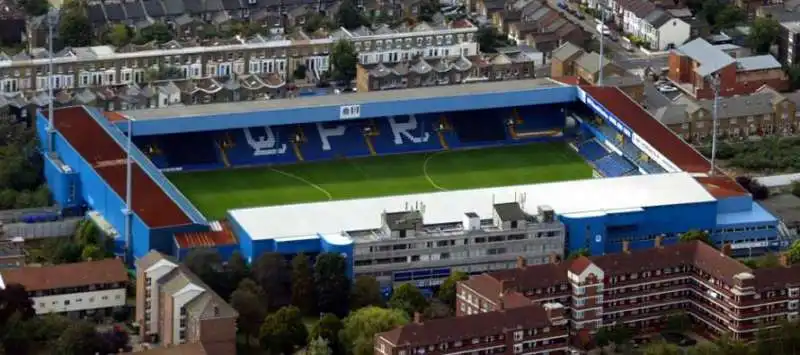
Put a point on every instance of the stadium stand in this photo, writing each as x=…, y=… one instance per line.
x=592, y=150
x=420, y=132
x=492, y=130
x=340, y=140
x=190, y=149
x=613, y=165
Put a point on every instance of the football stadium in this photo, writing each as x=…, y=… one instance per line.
x=408, y=185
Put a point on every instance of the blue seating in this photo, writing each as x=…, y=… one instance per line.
x=414, y=134
x=189, y=150
x=592, y=150
x=614, y=165
x=260, y=145
x=479, y=127
x=540, y=118
x=342, y=140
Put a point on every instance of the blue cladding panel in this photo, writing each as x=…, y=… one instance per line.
x=221, y=121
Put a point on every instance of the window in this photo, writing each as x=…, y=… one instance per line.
x=518, y=335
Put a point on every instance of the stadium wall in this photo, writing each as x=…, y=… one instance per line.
x=311, y=245
x=217, y=120
x=603, y=232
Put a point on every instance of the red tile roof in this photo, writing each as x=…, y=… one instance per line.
x=67, y=275
x=221, y=235
x=660, y=137
x=99, y=149
x=472, y=326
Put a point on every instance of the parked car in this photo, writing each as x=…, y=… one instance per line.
x=667, y=88
x=563, y=6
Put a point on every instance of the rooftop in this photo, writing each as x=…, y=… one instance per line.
x=340, y=100
x=85, y=273
x=96, y=145
x=758, y=62
x=711, y=59
x=786, y=207
x=572, y=197
x=219, y=235
x=696, y=254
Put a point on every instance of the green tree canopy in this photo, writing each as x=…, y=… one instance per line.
x=763, y=34
x=303, y=292
x=74, y=28
x=333, y=286
x=318, y=346
x=447, y=291
x=366, y=291
x=247, y=300
x=78, y=338
x=208, y=265
x=119, y=35
x=698, y=235
x=271, y=273
x=35, y=7
x=409, y=299
x=349, y=16
x=283, y=332
x=662, y=348
x=361, y=326
x=344, y=59
x=328, y=328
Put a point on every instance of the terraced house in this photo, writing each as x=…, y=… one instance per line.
x=643, y=288
x=157, y=75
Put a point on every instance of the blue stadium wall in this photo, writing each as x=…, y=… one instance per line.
x=82, y=186
x=312, y=245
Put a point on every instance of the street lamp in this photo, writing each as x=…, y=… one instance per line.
x=601, y=29
x=51, y=18
x=715, y=82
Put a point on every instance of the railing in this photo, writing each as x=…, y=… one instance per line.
x=63, y=228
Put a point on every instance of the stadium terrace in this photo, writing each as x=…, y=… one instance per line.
x=409, y=185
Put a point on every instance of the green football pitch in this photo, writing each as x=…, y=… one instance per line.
x=215, y=192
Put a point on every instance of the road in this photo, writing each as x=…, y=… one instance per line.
x=627, y=59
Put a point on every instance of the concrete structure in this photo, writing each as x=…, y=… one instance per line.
x=641, y=289
x=691, y=65
x=77, y=289
x=173, y=307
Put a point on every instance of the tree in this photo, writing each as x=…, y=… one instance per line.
x=283, y=331
x=763, y=34
x=409, y=299
x=300, y=72
x=662, y=348
x=349, y=16
x=114, y=340
x=78, y=338
x=729, y=16
x=303, y=293
x=318, y=346
x=447, y=291
x=207, y=264
x=437, y=309
x=361, y=326
x=759, y=191
x=427, y=9
x=237, y=268
x=704, y=349
x=92, y=252
x=247, y=302
x=489, y=39
x=678, y=323
x=344, y=59
x=698, y=235
x=578, y=253
x=14, y=299
x=333, y=286
x=272, y=275
x=328, y=328
x=158, y=32
x=794, y=252
x=119, y=35
x=796, y=186
x=366, y=291
x=35, y=8
x=74, y=28
x=316, y=22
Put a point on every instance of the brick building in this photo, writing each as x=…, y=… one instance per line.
x=692, y=65
x=517, y=327
x=174, y=307
x=642, y=288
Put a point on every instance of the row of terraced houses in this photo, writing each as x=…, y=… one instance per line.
x=548, y=308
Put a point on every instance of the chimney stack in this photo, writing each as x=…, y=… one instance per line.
x=521, y=262
x=417, y=317
x=554, y=259
x=659, y=241
x=784, y=260
x=727, y=249
x=626, y=246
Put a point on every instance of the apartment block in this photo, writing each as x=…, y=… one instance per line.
x=515, y=328
x=174, y=307
x=77, y=289
x=642, y=288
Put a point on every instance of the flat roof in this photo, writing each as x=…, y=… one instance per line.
x=339, y=100
x=774, y=181
x=571, y=197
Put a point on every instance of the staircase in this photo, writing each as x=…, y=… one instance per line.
x=296, y=149
x=223, y=154
x=370, y=145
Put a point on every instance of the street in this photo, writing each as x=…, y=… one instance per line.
x=628, y=60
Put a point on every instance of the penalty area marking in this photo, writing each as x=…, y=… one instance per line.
x=309, y=183
x=425, y=170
